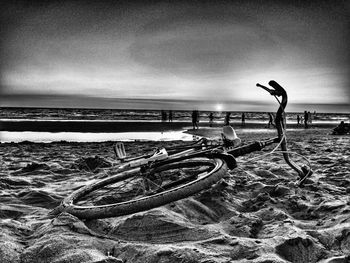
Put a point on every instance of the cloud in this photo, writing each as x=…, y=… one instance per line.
x=203, y=42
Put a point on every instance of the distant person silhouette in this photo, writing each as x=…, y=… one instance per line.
x=211, y=118
x=164, y=116
x=298, y=119
x=310, y=116
x=341, y=129
x=170, y=116
x=227, y=118
x=195, y=119
x=243, y=119
x=306, y=118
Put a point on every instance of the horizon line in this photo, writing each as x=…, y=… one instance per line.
x=85, y=102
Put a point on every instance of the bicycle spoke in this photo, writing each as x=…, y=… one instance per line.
x=157, y=186
x=120, y=188
x=138, y=186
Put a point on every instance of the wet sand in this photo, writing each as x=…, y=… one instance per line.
x=129, y=126
x=255, y=214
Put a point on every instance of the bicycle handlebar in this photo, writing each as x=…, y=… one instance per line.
x=277, y=89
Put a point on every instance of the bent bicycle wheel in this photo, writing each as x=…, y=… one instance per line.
x=136, y=190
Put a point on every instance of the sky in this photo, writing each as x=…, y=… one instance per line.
x=175, y=54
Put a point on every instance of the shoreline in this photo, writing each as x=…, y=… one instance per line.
x=134, y=126
x=152, y=137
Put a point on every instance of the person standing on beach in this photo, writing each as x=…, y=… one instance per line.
x=227, y=118
x=298, y=119
x=310, y=117
x=197, y=123
x=306, y=118
x=243, y=119
x=163, y=116
x=211, y=118
x=170, y=116
x=195, y=119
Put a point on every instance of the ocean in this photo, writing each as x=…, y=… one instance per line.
x=149, y=115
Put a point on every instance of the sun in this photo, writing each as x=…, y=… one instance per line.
x=219, y=107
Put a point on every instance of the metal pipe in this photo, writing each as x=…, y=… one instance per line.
x=280, y=126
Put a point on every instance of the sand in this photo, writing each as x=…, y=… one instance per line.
x=255, y=214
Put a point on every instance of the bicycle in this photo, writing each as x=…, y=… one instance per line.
x=146, y=182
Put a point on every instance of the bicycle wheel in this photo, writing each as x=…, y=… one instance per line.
x=136, y=190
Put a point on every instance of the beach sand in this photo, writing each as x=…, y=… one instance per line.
x=255, y=214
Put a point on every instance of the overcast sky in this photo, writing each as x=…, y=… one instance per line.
x=175, y=54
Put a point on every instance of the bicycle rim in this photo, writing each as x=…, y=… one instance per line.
x=134, y=191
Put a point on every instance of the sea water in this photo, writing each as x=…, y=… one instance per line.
x=46, y=137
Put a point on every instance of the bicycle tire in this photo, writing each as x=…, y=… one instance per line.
x=69, y=204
